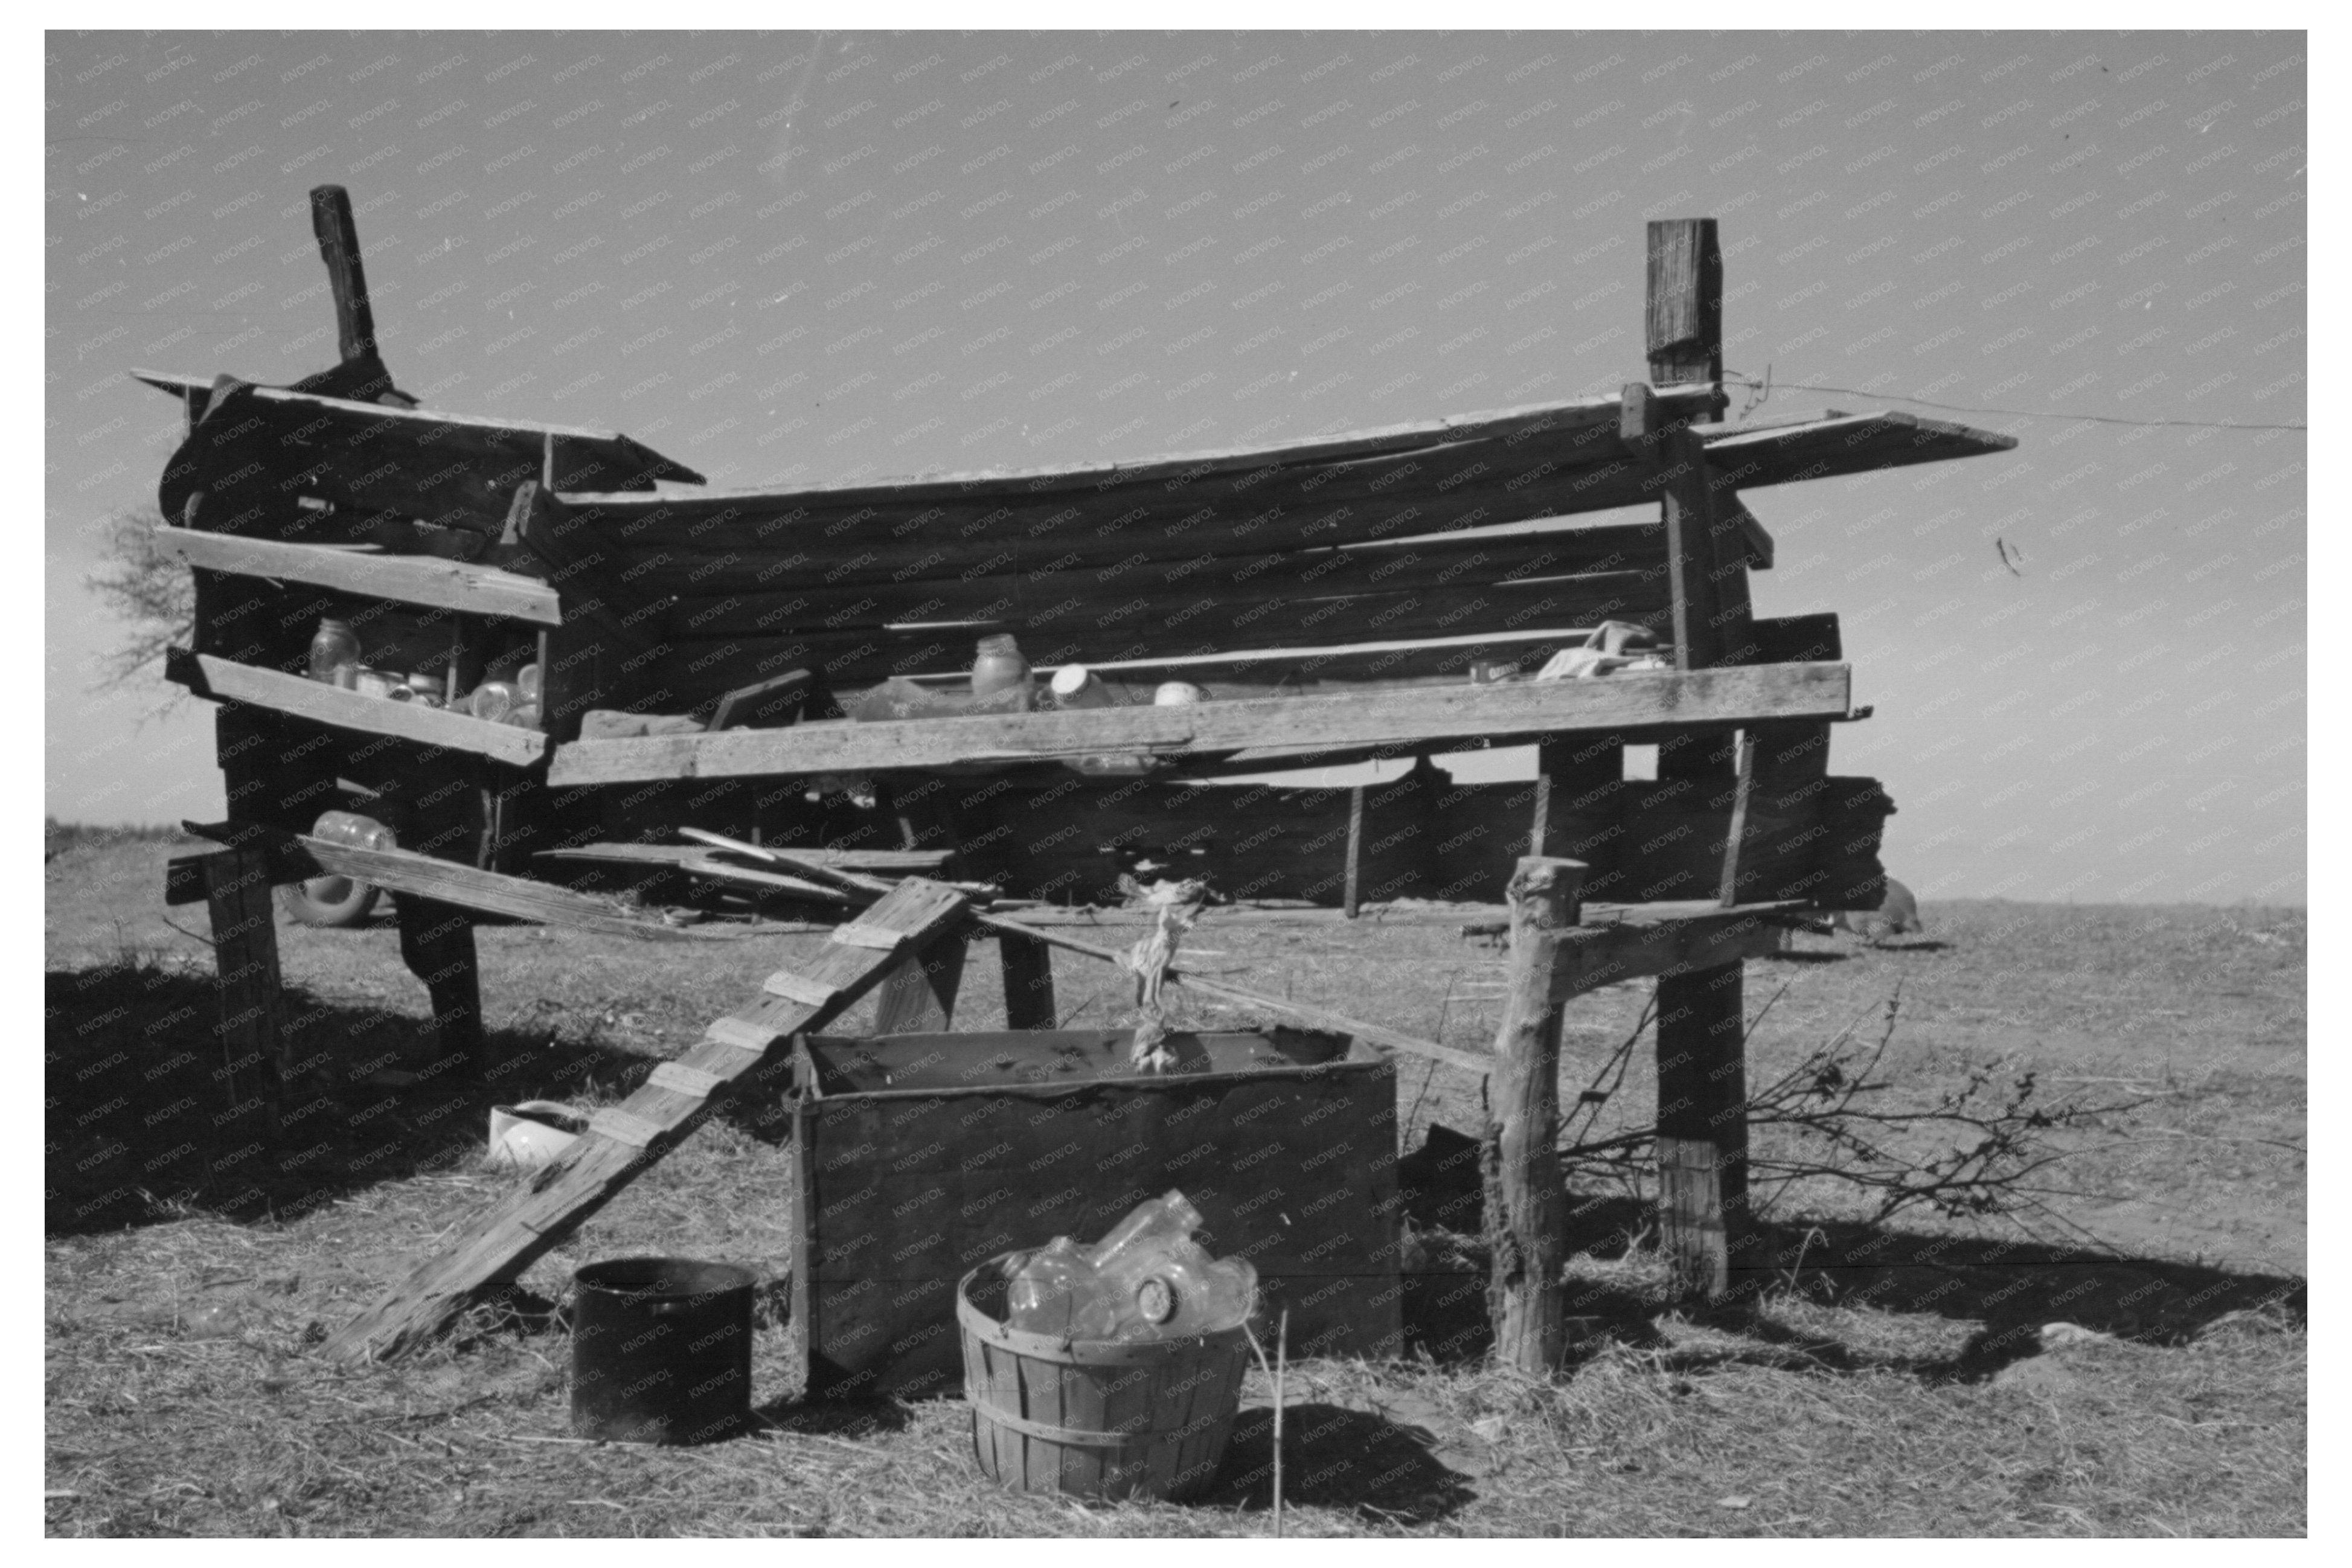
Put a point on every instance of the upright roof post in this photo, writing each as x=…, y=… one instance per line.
x=1684, y=318
x=1701, y=1137
x=339, y=244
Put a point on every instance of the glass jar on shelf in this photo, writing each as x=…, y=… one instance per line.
x=494, y=700
x=335, y=649
x=999, y=666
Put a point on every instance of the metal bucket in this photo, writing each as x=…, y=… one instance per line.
x=661, y=1350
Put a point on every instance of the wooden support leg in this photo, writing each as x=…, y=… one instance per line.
x=1350, y=900
x=1526, y=1204
x=436, y=943
x=918, y=995
x=1702, y=1130
x=1567, y=772
x=926, y=820
x=245, y=947
x=1028, y=981
x=1727, y=893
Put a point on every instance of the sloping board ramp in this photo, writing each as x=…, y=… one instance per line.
x=503, y=1241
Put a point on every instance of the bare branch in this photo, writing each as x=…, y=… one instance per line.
x=1824, y=1120
x=153, y=595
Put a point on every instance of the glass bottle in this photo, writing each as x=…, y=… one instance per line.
x=1149, y=1225
x=351, y=828
x=1056, y=1290
x=1205, y=1294
x=1161, y=1283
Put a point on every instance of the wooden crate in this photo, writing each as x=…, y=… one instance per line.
x=922, y=1154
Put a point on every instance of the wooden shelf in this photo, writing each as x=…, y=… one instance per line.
x=223, y=680
x=1704, y=698
x=410, y=578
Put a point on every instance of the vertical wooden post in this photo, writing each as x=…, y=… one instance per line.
x=1702, y=1071
x=1028, y=965
x=1707, y=546
x=1743, y=786
x=339, y=246
x=1568, y=769
x=1702, y=1129
x=245, y=949
x=1685, y=320
x=456, y=680
x=1526, y=1205
x=1351, y=899
x=1707, y=559
x=918, y=995
x=436, y=943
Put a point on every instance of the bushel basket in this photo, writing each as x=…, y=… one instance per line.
x=1093, y=1418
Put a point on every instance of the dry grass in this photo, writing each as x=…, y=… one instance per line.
x=1888, y=1387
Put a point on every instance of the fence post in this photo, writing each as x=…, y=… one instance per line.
x=1526, y=1205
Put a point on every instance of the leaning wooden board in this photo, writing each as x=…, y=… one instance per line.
x=224, y=680
x=1724, y=698
x=296, y=857
x=889, y=862
x=502, y=1241
x=410, y=578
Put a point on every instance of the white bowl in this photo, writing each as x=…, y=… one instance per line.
x=529, y=1135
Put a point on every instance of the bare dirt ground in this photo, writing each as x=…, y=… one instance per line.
x=1898, y=1378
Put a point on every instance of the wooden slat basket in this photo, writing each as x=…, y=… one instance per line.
x=1091, y=1418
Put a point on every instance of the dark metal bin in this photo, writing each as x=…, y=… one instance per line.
x=661, y=1350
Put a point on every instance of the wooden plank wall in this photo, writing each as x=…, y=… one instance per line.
x=699, y=621
x=1423, y=837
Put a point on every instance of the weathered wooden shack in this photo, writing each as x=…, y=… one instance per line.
x=714, y=659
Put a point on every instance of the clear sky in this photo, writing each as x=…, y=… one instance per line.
x=792, y=257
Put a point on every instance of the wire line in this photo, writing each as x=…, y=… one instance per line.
x=2013, y=412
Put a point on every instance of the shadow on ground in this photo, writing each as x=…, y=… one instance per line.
x=1333, y=1457
x=844, y=1418
x=144, y=1120
x=2009, y=1288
